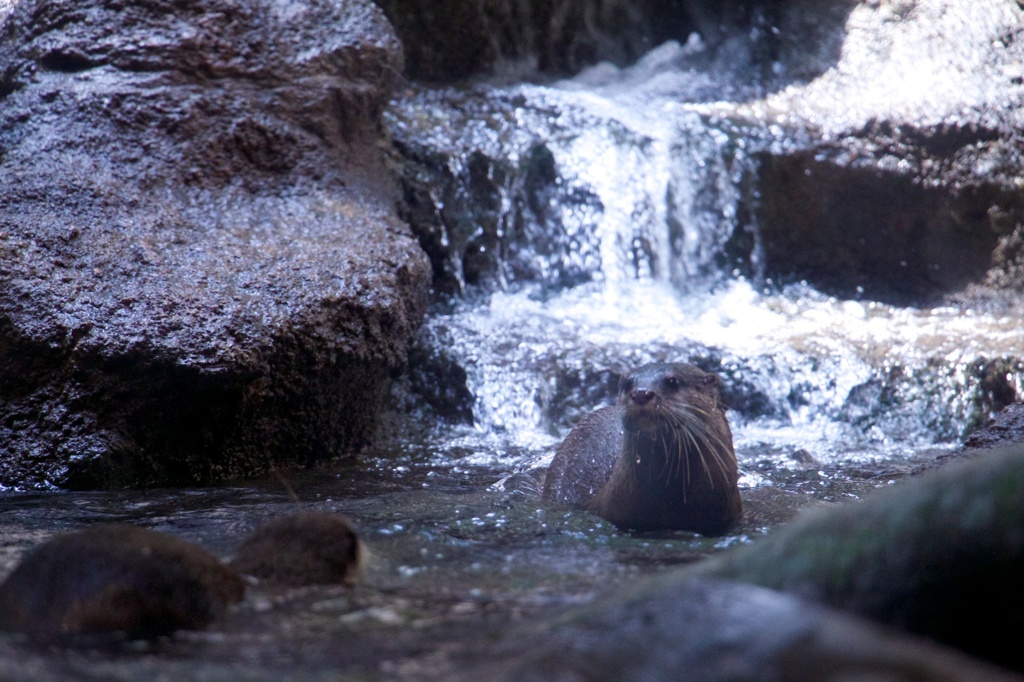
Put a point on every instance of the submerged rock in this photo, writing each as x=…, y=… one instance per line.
x=201, y=271
x=115, y=579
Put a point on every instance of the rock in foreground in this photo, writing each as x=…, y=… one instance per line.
x=939, y=556
x=115, y=579
x=706, y=630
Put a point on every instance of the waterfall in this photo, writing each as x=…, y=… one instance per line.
x=608, y=219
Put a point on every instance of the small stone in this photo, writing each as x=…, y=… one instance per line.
x=302, y=549
x=116, y=578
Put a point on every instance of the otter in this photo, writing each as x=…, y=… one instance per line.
x=117, y=580
x=302, y=549
x=660, y=459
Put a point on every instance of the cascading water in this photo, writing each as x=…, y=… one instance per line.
x=615, y=255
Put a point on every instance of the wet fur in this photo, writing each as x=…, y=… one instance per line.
x=662, y=458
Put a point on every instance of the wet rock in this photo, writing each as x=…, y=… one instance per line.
x=859, y=229
x=439, y=380
x=201, y=271
x=302, y=549
x=938, y=556
x=536, y=40
x=115, y=579
x=707, y=630
x=1006, y=428
x=484, y=194
x=902, y=398
x=906, y=187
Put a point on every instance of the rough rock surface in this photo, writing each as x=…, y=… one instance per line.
x=200, y=269
x=1006, y=428
x=908, y=189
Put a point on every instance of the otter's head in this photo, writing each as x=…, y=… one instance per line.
x=660, y=395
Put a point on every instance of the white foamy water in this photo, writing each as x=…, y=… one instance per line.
x=807, y=353
x=841, y=377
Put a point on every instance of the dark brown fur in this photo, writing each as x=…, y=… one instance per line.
x=662, y=458
x=302, y=549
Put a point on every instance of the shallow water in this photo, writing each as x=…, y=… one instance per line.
x=457, y=564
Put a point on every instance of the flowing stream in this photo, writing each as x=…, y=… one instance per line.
x=613, y=258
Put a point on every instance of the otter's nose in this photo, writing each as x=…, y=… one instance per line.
x=641, y=396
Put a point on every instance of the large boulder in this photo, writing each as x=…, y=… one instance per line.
x=718, y=631
x=201, y=273
x=937, y=556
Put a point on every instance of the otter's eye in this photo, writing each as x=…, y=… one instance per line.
x=672, y=383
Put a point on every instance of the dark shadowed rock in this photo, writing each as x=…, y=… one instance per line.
x=114, y=578
x=862, y=217
x=709, y=631
x=938, y=556
x=464, y=38
x=482, y=206
x=200, y=269
x=540, y=38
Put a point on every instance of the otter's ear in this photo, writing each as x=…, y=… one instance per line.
x=715, y=381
